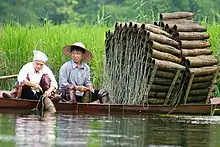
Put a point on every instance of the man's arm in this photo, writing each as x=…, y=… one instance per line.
x=63, y=76
x=88, y=82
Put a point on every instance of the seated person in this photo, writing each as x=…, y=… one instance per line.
x=74, y=79
x=35, y=79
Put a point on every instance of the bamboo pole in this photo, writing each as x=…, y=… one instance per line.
x=8, y=77
x=212, y=86
x=176, y=15
x=196, y=52
x=172, y=86
x=188, y=88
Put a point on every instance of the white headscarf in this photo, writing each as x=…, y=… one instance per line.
x=38, y=55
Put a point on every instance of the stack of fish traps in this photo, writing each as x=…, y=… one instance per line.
x=167, y=63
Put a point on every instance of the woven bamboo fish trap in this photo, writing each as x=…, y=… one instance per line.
x=168, y=63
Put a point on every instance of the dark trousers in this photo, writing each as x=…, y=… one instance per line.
x=27, y=93
x=91, y=97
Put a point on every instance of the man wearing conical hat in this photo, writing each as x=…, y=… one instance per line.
x=74, y=79
x=35, y=78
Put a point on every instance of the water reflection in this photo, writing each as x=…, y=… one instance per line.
x=32, y=132
x=85, y=130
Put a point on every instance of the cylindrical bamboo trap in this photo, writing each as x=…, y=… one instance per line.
x=165, y=74
x=195, y=44
x=162, y=81
x=166, y=48
x=198, y=92
x=157, y=94
x=188, y=27
x=165, y=56
x=193, y=35
x=143, y=59
x=155, y=101
x=162, y=39
x=204, y=71
x=201, y=85
x=177, y=21
x=202, y=60
x=176, y=15
x=168, y=65
x=196, y=99
x=159, y=88
x=157, y=30
x=196, y=52
x=201, y=79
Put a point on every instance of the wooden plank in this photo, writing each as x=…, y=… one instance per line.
x=188, y=88
x=212, y=86
x=153, y=73
x=172, y=86
x=8, y=77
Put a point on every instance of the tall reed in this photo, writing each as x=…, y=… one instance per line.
x=17, y=43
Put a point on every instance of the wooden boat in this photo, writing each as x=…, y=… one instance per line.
x=12, y=104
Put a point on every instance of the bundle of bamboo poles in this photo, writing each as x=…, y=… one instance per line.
x=144, y=65
x=195, y=49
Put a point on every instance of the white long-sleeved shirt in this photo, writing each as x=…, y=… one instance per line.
x=28, y=69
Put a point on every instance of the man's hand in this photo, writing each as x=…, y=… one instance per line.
x=91, y=89
x=81, y=88
x=37, y=88
x=47, y=93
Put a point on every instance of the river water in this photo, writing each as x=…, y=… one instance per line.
x=97, y=131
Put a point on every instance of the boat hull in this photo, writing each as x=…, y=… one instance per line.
x=17, y=105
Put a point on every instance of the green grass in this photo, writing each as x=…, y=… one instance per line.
x=214, y=31
x=18, y=42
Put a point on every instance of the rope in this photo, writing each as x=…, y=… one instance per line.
x=40, y=101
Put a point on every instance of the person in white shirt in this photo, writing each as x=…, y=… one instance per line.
x=35, y=79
